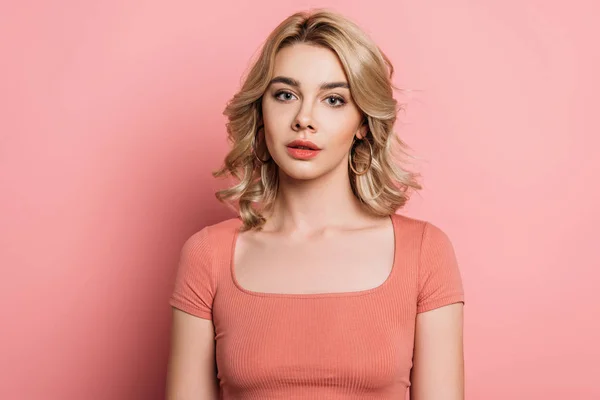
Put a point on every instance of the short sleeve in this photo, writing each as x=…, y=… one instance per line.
x=194, y=282
x=440, y=281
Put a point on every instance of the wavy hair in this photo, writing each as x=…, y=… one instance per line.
x=385, y=187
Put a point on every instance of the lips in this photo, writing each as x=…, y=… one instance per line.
x=303, y=145
x=303, y=150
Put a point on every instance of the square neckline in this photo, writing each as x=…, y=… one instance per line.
x=354, y=293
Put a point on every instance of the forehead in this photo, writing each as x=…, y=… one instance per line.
x=311, y=65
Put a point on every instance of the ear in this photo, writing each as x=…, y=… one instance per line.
x=363, y=130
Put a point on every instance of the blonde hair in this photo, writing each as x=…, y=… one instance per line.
x=384, y=188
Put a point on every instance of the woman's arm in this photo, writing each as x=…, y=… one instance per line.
x=438, y=360
x=191, y=371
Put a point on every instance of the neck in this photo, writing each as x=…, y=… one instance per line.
x=308, y=206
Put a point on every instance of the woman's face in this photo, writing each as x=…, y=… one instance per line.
x=308, y=105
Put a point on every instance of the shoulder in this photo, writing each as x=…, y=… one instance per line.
x=202, y=261
x=421, y=235
x=223, y=229
x=212, y=237
x=205, y=250
x=418, y=227
x=217, y=231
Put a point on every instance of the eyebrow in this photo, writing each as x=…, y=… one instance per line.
x=295, y=83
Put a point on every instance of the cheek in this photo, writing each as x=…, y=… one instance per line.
x=276, y=122
x=342, y=138
x=343, y=147
x=270, y=141
x=273, y=129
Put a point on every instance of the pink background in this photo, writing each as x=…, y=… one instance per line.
x=110, y=122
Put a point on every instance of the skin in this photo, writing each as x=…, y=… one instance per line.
x=319, y=228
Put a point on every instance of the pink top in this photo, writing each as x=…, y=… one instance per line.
x=350, y=345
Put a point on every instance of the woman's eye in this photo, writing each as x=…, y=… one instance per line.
x=284, y=96
x=335, y=101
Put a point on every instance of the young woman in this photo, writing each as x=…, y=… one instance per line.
x=319, y=290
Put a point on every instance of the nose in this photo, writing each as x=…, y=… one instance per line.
x=304, y=119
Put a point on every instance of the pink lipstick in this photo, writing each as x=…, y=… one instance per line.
x=303, y=149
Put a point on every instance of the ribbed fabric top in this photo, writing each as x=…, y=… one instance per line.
x=350, y=345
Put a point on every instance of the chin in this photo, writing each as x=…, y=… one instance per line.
x=301, y=170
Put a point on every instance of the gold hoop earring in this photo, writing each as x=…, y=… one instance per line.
x=370, y=157
x=254, y=148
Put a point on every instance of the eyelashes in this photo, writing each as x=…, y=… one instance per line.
x=281, y=92
x=338, y=101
